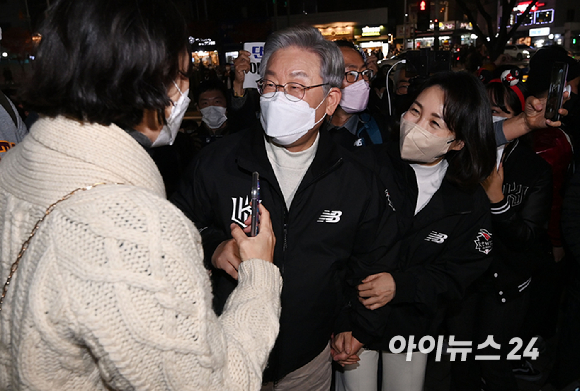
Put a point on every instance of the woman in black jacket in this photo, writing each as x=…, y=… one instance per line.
x=520, y=192
x=447, y=148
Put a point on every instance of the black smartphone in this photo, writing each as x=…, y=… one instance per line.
x=254, y=202
x=556, y=91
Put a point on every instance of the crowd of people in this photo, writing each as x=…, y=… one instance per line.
x=400, y=219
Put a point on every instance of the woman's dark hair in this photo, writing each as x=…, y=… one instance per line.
x=503, y=96
x=467, y=113
x=106, y=61
x=500, y=92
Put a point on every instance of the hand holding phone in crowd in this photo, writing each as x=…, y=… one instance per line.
x=230, y=253
x=260, y=246
x=556, y=91
x=254, y=202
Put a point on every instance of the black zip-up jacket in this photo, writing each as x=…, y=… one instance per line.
x=337, y=230
x=571, y=233
x=444, y=248
x=520, y=221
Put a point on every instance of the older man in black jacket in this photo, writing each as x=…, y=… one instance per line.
x=332, y=222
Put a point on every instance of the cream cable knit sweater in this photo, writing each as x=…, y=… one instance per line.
x=112, y=293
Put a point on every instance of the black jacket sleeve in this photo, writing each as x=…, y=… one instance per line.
x=193, y=200
x=375, y=251
x=571, y=216
x=519, y=230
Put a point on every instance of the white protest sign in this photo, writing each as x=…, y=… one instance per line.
x=256, y=50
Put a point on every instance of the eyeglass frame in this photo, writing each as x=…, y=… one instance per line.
x=305, y=88
x=369, y=72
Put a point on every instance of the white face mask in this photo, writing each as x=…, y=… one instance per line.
x=286, y=121
x=497, y=118
x=419, y=145
x=213, y=116
x=355, y=97
x=169, y=131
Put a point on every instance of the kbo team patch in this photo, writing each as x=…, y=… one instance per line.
x=483, y=242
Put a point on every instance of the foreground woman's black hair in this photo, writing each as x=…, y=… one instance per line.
x=467, y=113
x=114, y=68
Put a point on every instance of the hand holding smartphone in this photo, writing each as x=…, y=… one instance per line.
x=254, y=203
x=556, y=91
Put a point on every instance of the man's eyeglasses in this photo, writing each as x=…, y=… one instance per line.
x=352, y=76
x=293, y=91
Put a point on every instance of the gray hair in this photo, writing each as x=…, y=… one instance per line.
x=308, y=38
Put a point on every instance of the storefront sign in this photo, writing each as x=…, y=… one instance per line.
x=541, y=32
x=336, y=32
x=371, y=44
x=544, y=16
x=201, y=41
x=521, y=7
x=443, y=26
x=371, y=31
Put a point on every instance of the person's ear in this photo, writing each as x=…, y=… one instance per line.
x=332, y=100
x=457, y=145
x=149, y=125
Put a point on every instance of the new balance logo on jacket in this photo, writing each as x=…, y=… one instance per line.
x=330, y=216
x=436, y=237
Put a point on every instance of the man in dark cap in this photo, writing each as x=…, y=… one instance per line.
x=553, y=145
x=539, y=81
x=541, y=66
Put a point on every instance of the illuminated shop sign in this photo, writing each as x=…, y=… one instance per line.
x=201, y=41
x=538, y=17
x=544, y=16
x=371, y=31
x=521, y=7
x=541, y=32
x=443, y=26
x=336, y=31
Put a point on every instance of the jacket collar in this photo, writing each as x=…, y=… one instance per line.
x=448, y=200
x=510, y=147
x=251, y=156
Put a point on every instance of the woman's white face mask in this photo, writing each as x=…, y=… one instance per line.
x=419, y=145
x=169, y=131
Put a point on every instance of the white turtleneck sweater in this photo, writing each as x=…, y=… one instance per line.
x=429, y=179
x=112, y=292
x=290, y=167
